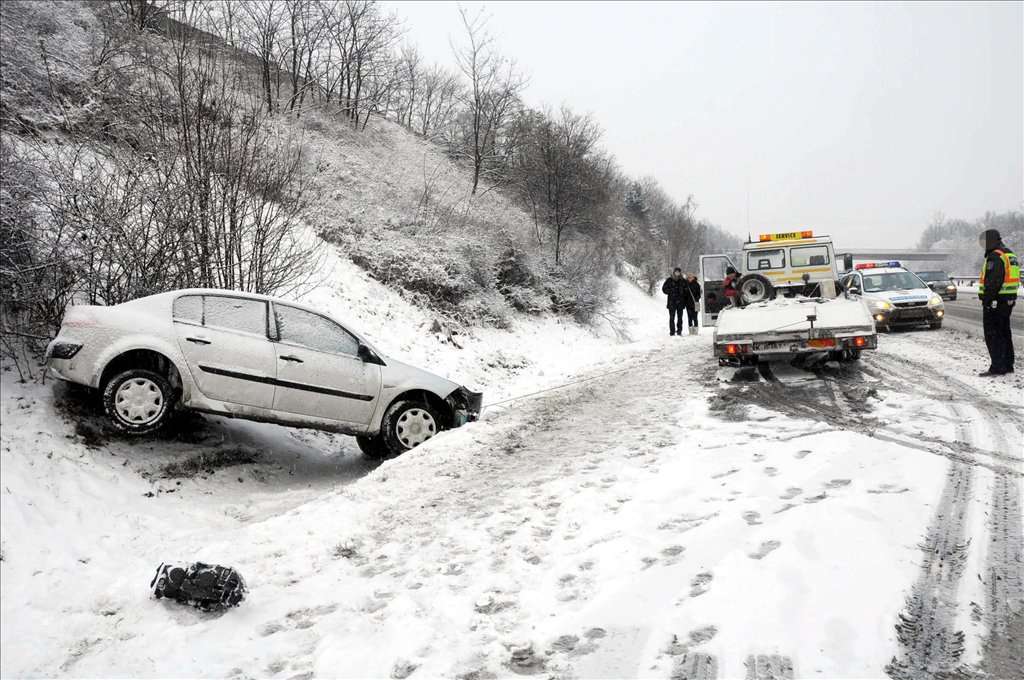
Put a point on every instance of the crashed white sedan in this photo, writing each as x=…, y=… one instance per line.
x=255, y=357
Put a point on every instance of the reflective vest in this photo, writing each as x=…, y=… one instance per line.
x=1011, y=275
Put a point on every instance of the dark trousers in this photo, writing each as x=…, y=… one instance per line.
x=996, y=323
x=691, y=317
x=675, y=320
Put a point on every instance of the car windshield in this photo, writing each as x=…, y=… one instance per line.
x=933, y=276
x=878, y=283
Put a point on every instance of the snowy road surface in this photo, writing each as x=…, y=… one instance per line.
x=671, y=520
x=966, y=309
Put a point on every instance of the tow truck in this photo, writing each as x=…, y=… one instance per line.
x=792, y=304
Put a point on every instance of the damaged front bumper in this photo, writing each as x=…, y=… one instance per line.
x=466, y=406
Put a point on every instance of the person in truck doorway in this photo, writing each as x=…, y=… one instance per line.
x=675, y=288
x=732, y=293
x=692, y=301
x=1000, y=278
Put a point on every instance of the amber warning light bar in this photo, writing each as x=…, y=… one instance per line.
x=786, y=236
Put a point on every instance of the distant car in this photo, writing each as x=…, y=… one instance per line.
x=940, y=282
x=896, y=297
x=253, y=357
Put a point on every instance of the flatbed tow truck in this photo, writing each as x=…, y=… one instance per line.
x=792, y=304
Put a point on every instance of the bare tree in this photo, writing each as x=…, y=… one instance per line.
x=492, y=96
x=565, y=177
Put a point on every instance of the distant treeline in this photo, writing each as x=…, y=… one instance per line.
x=961, y=238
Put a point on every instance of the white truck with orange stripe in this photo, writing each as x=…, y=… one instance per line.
x=792, y=304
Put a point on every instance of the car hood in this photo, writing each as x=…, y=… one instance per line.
x=397, y=374
x=915, y=295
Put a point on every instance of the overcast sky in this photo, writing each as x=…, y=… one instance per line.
x=860, y=120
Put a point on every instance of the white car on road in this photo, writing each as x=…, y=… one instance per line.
x=897, y=297
x=254, y=357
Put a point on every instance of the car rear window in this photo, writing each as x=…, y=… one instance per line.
x=189, y=308
x=809, y=256
x=766, y=259
x=235, y=314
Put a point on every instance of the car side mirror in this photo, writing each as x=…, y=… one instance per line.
x=853, y=290
x=368, y=355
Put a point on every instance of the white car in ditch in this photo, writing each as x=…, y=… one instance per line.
x=255, y=357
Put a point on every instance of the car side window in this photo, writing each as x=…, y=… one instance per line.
x=299, y=327
x=235, y=314
x=189, y=308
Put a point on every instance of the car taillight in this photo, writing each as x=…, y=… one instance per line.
x=822, y=342
x=735, y=349
x=860, y=341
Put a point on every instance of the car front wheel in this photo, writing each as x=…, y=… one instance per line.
x=372, y=447
x=407, y=424
x=138, y=400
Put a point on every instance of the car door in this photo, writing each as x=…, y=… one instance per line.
x=712, y=277
x=224, y=339
x=319, y=372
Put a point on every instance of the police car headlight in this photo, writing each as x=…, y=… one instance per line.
x=936, y=300
x=880, y=304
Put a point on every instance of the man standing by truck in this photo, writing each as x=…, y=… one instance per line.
x=676, y=289
x=1000, y=277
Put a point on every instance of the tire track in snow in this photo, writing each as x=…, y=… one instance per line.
x=1003, y=614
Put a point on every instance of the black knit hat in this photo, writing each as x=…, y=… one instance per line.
x=990, y=239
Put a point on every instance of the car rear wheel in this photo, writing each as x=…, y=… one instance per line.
x=407, y=424
x=138, y=400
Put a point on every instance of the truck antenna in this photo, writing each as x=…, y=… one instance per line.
x=748, y=208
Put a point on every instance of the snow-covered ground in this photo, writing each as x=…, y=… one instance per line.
x=664, y=517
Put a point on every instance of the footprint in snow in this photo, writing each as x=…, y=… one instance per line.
x=766, y=547
x=791, y=493
x=837, y=483
x=814, y=499
x=771, y=472
x=888, y=488
x=784, y=508
x=758, y=457
x=725, y=474
x=801, y=454
x=700, y=583
x=752, y=517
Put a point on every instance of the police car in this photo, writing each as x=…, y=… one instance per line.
x=897, y=297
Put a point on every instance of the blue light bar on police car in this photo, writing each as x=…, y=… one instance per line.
x=872, y=265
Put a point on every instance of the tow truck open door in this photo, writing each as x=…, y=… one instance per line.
x=712, y=284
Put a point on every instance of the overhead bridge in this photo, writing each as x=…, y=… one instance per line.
x=872, y=255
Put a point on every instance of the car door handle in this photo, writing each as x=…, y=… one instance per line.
x=199, y=341
x=288, y=357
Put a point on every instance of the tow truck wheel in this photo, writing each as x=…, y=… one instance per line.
x=756, y=288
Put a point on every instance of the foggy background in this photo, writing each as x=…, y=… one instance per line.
x=861, y=120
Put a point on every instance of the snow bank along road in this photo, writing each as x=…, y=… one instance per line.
x=676, y=520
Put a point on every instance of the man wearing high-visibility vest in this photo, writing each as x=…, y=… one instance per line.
x=1000, y=278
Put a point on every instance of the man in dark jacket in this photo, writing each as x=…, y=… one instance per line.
x=692, y=302
x=1000, y=278
x=676, y=290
